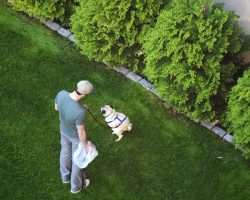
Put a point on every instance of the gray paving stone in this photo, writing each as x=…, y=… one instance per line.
x=71, y=38
x=36, y=17
x=133, y=76
x=153, y=90
x=64, y=32
x=121, y=69
x=229, y=138
x=54, y=26
x=207, y=125
x=146, y=84
x=218, y=131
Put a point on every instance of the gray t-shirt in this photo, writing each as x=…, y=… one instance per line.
x=71, y=113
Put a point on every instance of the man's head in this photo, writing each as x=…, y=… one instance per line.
x=84, y=87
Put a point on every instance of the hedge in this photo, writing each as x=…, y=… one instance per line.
x=59, y=10
x=184, y=55
x=238, y=113
x=109, y=31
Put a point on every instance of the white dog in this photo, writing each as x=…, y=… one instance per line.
x=118, y=122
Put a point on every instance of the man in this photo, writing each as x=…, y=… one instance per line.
x=72, y=129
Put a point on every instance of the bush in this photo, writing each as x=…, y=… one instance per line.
x=108, y=31
x=184, y=54
x=59, y=10
x=238, y=113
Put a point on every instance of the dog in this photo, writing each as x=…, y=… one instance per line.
x=118, y=122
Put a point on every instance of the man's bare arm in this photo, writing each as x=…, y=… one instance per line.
x=82, y=134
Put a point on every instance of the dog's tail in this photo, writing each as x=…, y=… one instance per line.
x=130, y=126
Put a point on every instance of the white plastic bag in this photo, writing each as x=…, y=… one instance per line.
x=82, y=158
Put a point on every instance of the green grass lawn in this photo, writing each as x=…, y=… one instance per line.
x=165, y=156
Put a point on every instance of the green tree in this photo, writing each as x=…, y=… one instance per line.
x=238, y=113
x=59, y=10
x=108, y=30
x=184, y=54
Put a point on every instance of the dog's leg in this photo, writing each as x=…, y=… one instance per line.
x=119, y=134
x=130, y=126
x=119, y=137
x=113, y=131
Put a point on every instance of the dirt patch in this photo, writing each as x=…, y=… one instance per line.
x=246, y=57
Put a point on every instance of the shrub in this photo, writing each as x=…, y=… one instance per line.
x=184, y=54
x=108, y=31
x=238, y=113
x=59, y=10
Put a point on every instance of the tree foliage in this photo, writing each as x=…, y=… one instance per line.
x=108, y=30
x=184, y=54
x=46, y=9
x=238, y=113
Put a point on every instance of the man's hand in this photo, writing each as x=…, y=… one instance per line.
x=86, y=148
x=86, y=107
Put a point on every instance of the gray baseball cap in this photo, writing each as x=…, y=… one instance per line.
x=84, y=87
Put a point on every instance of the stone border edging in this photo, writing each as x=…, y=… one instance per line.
x=137, y=78
x=60, y=30
x=218, y=131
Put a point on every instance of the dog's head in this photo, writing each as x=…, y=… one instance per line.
x=107, y=110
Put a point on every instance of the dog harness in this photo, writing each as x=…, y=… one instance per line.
x=120, y=120
x=108, y=115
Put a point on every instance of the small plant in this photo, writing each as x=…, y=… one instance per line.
x=238, y=113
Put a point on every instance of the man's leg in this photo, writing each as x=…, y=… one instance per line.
x=77, y=174
x=65, y=159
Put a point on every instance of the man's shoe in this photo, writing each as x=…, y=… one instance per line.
x=65, y=182
x=75, y=192
x=87, y=182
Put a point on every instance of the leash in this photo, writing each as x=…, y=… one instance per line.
x=95, y=118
